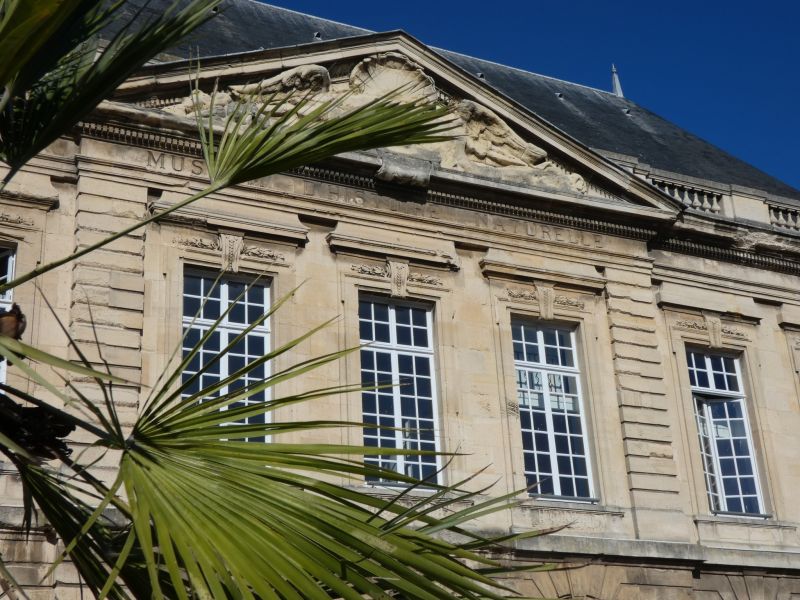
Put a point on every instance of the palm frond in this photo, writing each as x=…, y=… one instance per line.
x=266, y=134
x=61, y=74
x=207, y=514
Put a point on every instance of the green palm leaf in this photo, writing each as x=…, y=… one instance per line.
x=54, y=73
x=206, y=514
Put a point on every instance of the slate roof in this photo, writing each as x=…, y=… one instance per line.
x=596, y=118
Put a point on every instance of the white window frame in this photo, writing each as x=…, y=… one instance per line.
x=229, y=330
x=705, y=397
x=7, y=297
x=394, y=349
x=545, y=369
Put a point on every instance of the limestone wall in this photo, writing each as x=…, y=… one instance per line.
x=634, y=310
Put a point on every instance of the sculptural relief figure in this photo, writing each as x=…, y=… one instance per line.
x=310, y=82
x=188, y=106
x=490, y=141
x=483, y=143
x=489, y=147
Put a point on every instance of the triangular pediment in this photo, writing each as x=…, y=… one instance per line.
x=497, y=143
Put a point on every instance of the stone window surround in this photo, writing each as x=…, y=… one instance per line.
x=228, y=330
x=394, y=349
x=710, y=394
x=176, y=261
x=568, y=315
x=358, y=283
x=693, y=331
x=546, y=371
x=7, y=299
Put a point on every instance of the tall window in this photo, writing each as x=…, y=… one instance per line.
x=404, y=414
x=204, y=300
x=7, y=256
x=551, y=411
x=725, y=440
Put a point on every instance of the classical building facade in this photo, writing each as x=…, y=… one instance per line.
x=575, y=291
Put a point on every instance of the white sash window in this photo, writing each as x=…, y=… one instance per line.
x=203, y=303
x=552, y=415
x=400, y=354
x=725, y=440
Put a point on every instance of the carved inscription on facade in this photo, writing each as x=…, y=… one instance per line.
x=369, y=199
x=174, y=163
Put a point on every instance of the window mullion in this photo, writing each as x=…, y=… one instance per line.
x=551, y=436
x=399, y=433
x=717, y=475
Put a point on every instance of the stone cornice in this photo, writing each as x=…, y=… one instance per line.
x=657, y=235
x=742, y=257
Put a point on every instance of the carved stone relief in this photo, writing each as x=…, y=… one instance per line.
x=424, y=278
x=197, y=242
x=567, y=302
x=523, y=295
x=307, y=81
x=377, y=75
x=491, y=142
x=398, y=276
x=714, y=328
x=483, y=142
x=267, y=254
x=231, y=249
x=373, y=270
x=231, y=246
x=10, y=219
x=714, y=331
x=547, y=297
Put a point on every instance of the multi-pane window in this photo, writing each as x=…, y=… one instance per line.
x=6, y=300
x=725, y=441
x=551, y=411
x=399, y=359
x=205, y=298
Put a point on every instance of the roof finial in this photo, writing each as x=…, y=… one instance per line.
x=616, y=86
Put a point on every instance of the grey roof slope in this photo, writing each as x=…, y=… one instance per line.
x=598, y=119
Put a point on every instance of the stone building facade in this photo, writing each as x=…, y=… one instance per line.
x=625, y=334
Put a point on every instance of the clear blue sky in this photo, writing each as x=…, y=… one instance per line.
x=726, y=71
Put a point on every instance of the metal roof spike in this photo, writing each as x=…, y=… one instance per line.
x=616, y=86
